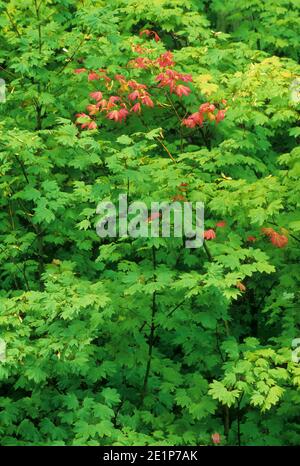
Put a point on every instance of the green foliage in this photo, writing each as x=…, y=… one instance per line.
x=141, y=341
x=268, y=25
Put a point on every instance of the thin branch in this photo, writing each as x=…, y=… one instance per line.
x=179, y=120
x=294, y=237
x=22, y=167
x=37, y=10
x=208, y=253
x=239, y=420
x=72, y=56
x=14, y=26
x=166, y=149
x=158, y=139
x=176, y=307
x=226, y=421
x=8, y=72
x=151, y=335
x=218, y=345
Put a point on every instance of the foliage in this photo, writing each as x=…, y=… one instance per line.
x=141, y=341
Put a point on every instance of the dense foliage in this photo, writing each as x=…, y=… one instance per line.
x=141, y=341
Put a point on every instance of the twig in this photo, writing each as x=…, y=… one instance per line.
x=13, y=24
